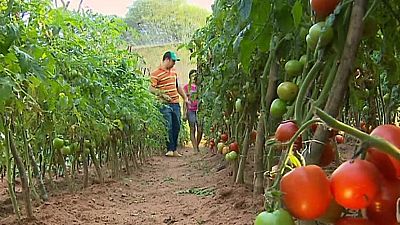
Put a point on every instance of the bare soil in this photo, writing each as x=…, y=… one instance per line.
x=194, y=189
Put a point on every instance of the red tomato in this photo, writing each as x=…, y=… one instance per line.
x=285, y=132
x=234, y=146
x=339, y=139
x=224, y=137
x=382, y=210
x=324, y=7
x=355, y=184
x=353, y=221
x=306, y=192
x=388, y=165
x=328, y=155
x=212, y=143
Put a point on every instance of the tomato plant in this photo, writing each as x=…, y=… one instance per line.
x=355, y=183
x=302, y=188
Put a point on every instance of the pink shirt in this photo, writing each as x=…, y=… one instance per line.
x=192, y=97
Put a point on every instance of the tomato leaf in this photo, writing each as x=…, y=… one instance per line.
x=297, y=12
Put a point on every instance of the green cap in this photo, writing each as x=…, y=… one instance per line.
x=174, y=56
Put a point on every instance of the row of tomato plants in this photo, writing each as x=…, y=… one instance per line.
x=71, y=96
x=251, y=81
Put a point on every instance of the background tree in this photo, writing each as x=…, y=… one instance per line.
x=160, y=22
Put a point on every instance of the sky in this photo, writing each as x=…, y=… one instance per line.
x=120, y=7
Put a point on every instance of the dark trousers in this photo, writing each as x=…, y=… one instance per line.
x=172, y=116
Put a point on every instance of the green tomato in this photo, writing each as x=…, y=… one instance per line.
x=278, y=108
x=58, y=143
x=278, y=217
x=265, y=218
x=293, y=67
x=228, y=157
x=287, y=91
x=233, y=155
x=303, y=59
x=66, y=150
x=238, y=105
x=74, y=147
x=315, y=33
x=283, y=217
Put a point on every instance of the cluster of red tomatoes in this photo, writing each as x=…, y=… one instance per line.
x=230, y=150
x=371, y=185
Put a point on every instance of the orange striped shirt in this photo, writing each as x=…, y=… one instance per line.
x=166, y=80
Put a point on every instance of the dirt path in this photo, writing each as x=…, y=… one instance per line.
x=180, y=191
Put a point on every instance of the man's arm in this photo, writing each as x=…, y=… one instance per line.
x=183, y=94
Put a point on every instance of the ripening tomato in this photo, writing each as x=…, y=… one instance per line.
x=387, y=164
x=382, y=210
x=306, y=192
x=328, y=154
x=287, y=91
x=212, y=143
x=324, y=7
x=339, y=139
x=224, y=137
x=234, y=146
x=353, y=221
x=285, y=132
x=355, y=183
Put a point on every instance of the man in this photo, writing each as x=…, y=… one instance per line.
x=164, y=83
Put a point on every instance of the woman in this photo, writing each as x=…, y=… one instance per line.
x=190, y=111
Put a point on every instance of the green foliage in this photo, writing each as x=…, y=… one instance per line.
x=68, y=74
x=160, y=22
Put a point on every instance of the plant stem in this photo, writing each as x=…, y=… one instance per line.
x=379, y=143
